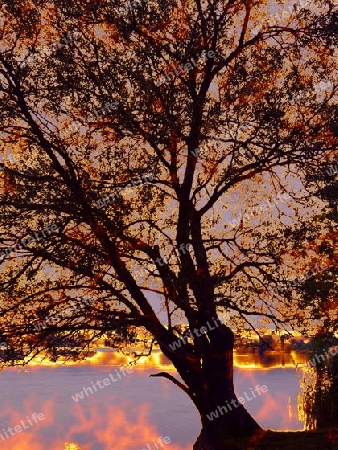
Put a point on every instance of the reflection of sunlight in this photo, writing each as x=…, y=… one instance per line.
x=108, y=427
x=113, y=420
x=268, y=360
x=248, y=361
x=307, y=384
x=290, y=407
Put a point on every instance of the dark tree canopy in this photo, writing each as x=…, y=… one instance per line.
x=94, y=96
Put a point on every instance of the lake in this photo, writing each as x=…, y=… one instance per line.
x=133, y=411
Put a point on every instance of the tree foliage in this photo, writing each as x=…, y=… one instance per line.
x=221, y=139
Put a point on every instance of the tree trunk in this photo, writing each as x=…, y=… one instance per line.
x=230, y=418
x=237, y=423
x=213, y=391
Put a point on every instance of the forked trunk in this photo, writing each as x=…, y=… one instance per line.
x=237, y=423
x=222, y=416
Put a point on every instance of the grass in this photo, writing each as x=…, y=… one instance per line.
x=299, y=440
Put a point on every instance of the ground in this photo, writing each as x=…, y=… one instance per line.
x=270, y=440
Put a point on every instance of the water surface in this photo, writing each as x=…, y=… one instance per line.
x=134, y=411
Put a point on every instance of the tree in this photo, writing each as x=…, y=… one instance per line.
x=321, y=383
x=212, y=104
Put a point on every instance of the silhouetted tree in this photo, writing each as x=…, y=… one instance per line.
x=227, y=109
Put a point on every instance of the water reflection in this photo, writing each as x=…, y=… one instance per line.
x=269, y=360
x=136, y=410
x=253, y=360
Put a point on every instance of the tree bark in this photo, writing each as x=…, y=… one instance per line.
x=213, y=391
x=237, y=423
x=219, y=396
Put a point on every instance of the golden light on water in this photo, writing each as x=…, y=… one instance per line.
x=71, y=446
x=112, y=426
x=290, y=407
x=107, y=431
x=249, y=361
